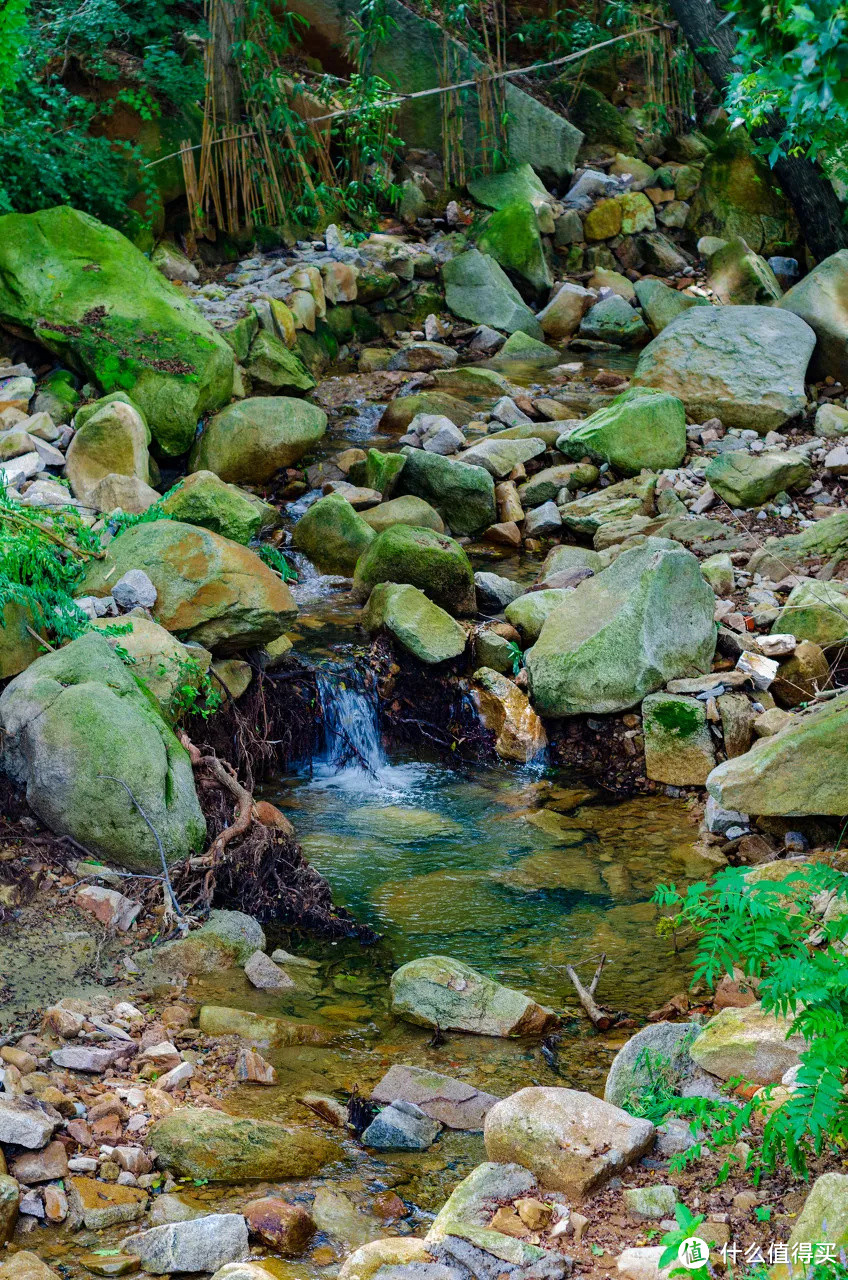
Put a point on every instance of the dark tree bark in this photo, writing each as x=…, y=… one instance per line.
x=227, y=22
x=810, y=192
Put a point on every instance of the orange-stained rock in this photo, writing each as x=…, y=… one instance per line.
x=504, y=710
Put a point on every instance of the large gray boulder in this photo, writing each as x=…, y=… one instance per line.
x=75, y=721
x=659, y=1052
x=476, y=289
x=744, y=365
x=800, y=772
x=572, y=1141
x=623, y=633
x=202, y=1244
x=821, y=299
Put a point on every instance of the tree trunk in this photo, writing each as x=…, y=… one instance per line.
x=227, y=21
x=810, y=192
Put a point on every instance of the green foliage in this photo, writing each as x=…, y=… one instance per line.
x=687, y=1225
x=792, y=63
x=775, y=933
x=195, y=693
x=40, y=574
x=49, y=151
x=275, y=560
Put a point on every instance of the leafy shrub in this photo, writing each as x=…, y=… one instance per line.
x=790, y=937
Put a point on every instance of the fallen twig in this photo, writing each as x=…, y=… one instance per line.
x=601, y=1018
x=165, y=874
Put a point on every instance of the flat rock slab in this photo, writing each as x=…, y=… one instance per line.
x=203, y=1244
x=454, y=1103
x=27, y=1123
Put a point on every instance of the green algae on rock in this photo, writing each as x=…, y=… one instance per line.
x=511, y=236
x=77, y=715
x=426, y=631
x=333, y=535
x=643, y=429
x=433, y=562
x=204, y=499
x=251, y=440
x=193, y=1142
x=85, y=292
x=438, y=991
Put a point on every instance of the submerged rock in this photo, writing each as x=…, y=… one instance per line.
x=77, y=715
x=193, y=1142
x=744, y=365
x=623, y=633
x=438, y=991
x=573, y=1142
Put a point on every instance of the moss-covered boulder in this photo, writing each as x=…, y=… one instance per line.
x=399, y=412
x=661, y=304
x=208, y=589
x=438, y=991
x=333, y=535
x=463, y=495
x=678, y=745
x=641, y=430
x=405, y=510
x=529, y=612
x=381, y=471
x=511, y=236
x=202, y=498
x=822, y=1221
x=497, y=190
x=251, y=440
x=622, y=634
x=744, y=365
x=193, y=1142
x=585, y=516
x=614, y=320
x=85, y=292
x=429, y=633
x=226, y=939
x=433, y=562
x=594, y=114
x=799, y=772
x=18, y=646
x=738, y=276
x=478, y=290
x=113, y=440
x=749, y=479
x=816, y=611
x=73, y=722
x=272, y=366
x=737, y=196
x=821, y=541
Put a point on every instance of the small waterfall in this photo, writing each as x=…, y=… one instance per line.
x=352, y=750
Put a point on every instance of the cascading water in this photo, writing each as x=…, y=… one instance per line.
x=352, y=752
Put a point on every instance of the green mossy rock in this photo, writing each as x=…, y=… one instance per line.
x=226, y=940
x=678, y=745
x=585, y=516
x=405, y=510
x=614, y=320
x=193, y=1142
x=823, y=540
x=799, y=772
x=816, y=611
x=438, y=991
x=511, y=236
x=250, y=441
x=399, y=412
x=821, y=300
x=738, y=276
x=202, y=498
x=426, y=631
x=18, y=648
x=382, y=471
x=497, y=190
x=737, y=196
x=468, y=1213
x=642, y=430
x=85, y=292
x=661, y=304
x=595, y=115
x=477, y=290
x=73, y=717
x=546, y=485
x=744, y=365
x=272, y=366
x=111, y=441
x=333, y=535
x=624, y=633
x=749, y=479
x=433, y=562
x=528, y=612
x=520, y=348
x=464, y=496
x=208, y=589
